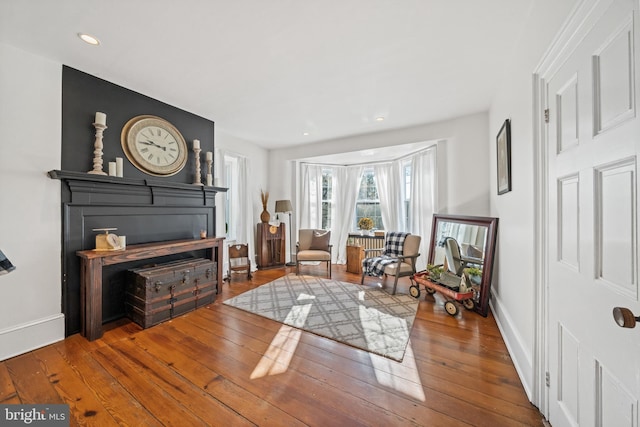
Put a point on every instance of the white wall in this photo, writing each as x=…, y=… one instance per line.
x=30, y=209
x=258, y=165
x=463, y=158
x=513, y=299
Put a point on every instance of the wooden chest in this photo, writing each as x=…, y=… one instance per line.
x=162, y=292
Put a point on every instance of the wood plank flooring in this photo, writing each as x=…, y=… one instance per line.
x=220, y=366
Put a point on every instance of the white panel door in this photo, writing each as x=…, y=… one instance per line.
x=593, y=145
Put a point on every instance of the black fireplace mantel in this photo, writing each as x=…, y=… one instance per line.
x=143, y=210
x=102, y=189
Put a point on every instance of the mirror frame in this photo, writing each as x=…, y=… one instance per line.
x=491, y=223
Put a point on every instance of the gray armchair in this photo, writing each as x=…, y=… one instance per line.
x=313, y=245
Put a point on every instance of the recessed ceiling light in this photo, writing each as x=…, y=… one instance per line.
x=89, y=39
x=379, y=119
x=306, y=133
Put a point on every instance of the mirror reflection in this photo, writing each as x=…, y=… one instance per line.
x=463, y=248
x=460, y=249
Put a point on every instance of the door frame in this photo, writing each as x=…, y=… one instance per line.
x=579, y=22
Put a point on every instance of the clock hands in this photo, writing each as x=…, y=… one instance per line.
x=154, y=144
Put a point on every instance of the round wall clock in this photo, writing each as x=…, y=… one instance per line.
x=154, y=145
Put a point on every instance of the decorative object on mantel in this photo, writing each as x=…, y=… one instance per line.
x=154, y=146
x=284, y=206
x=119, y=167
x=106, y=241
x=209, y=166
x=100, y=124
x=5, y=265
x=264, y=216
x=196, y=150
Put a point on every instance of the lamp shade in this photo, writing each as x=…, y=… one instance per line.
x=283, y=206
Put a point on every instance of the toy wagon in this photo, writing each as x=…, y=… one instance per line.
x=453, y=294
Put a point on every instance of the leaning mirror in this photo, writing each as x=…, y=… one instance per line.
x=472, y=239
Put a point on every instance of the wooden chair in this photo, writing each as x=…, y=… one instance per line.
x=399, y=264
x=239, y=260
x=313, y=245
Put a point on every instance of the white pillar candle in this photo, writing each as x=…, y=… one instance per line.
x=217, y=181
x=196, y=143
x=209, y=156
x=119, y=166
x=112, y=168
x=101, y=118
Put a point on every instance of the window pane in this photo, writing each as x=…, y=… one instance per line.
x=368, y=204
x=327, y=195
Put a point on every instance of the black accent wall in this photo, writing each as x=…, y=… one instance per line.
x=144, y=208
x=84, y=94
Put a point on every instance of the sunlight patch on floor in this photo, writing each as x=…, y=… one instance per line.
x=278, y=356
x=402, y=377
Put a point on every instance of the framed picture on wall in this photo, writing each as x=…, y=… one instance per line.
x=503, y=141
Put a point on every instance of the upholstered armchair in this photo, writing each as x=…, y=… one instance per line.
x=398, y=258
x=313, y=245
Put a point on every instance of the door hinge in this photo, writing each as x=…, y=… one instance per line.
x=546, y=115
x=547, y=379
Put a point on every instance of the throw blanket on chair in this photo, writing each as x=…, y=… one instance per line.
x=392, y=248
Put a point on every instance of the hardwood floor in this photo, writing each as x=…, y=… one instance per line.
x=221, y=366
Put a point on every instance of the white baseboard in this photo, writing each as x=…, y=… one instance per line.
x=520, y=354
x=23, y=338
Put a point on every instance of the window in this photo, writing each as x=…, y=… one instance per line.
x=368, y=203
x=232, y=206
x=327, y=195
x=406, y=171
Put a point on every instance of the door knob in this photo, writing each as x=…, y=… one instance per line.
x=624, y=317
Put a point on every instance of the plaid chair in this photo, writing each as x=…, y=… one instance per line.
x=398, y=258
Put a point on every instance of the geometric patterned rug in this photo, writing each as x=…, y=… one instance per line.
x=369, y=319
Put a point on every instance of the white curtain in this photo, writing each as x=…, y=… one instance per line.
x=346, y=182
x=245, y=208
x=390, y=185
x=311, y=196
x=240, y=202
x=423, y=200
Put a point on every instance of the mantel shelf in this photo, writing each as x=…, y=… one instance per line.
x=105, y=179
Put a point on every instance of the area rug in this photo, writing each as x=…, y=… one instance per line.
x=369, y=319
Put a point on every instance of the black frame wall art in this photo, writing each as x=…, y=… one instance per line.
x=503, y=149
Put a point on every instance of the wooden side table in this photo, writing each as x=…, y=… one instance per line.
x=355, y=255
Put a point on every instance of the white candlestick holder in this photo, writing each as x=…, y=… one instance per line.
x=209, y=172
x=97, y=150
x=198, y=180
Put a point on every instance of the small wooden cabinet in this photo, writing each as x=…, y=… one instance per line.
x=355, y=255
x=271, y=245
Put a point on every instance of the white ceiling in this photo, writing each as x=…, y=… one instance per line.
x=268, y=71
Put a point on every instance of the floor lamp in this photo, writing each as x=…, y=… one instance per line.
x=284, y=206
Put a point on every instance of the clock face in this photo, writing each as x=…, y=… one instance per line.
x=154, y=146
